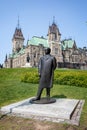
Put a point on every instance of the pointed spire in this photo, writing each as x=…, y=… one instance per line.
x=18, y=32
x=6, y=58
x=49, y=23
x=18, y=25
x=27, y=39
x=53, y=19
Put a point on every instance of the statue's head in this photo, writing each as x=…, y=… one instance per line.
x=47, y=51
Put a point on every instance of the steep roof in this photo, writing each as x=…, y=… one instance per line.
x=14, y=55
x=37, y=41
x=53, y=29
x=18, y=34
x=34, y=41
x=68, y=43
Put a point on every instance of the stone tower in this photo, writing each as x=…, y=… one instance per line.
x=18, y=39
x=53, y=33
x=54, y=42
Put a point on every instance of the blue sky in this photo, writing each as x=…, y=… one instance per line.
x=35, y=17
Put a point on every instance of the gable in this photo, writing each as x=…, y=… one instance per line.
x=68, y=44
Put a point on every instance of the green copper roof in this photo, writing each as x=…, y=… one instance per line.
x=38, y=40
x=67, y=44
x=22, y=51
x=14, y=55
x=10, y=55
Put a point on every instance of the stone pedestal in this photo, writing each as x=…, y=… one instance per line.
x=63, y=110
x=27, y=65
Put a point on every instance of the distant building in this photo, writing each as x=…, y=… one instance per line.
x=73, y=57
x=65, y=51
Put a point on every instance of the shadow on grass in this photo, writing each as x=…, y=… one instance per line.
x=59, y=96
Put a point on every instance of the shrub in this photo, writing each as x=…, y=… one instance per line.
x=30, y=77
x=63, y=77
x=71, y=77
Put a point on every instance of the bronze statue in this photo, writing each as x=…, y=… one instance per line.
x=46, y=67
x=28, y=58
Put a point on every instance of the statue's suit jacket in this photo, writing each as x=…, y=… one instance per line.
x=46, y=67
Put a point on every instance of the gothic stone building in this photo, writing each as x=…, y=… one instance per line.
x=66, y=52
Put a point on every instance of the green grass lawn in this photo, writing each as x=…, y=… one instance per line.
x=13, y=90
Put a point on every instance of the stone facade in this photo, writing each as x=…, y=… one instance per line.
x=54, y=42
x=66, y=51
x=73, y=56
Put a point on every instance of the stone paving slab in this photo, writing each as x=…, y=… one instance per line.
x=63, y=110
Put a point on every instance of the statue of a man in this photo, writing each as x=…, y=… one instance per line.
x=28, y=58
x=46, y=67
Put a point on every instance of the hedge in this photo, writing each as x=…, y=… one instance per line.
x=30, y=77
x=63, y=77
x=73, y=78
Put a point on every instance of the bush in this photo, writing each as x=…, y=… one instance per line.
x=63, y=77
x=30, y=77
x=71, y=77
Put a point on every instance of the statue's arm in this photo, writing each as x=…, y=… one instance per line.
x=54, y=63
x=39, y=67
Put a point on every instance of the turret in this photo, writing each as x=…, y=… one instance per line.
x=53, y=32
x=54, y=41
x=18, y=39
